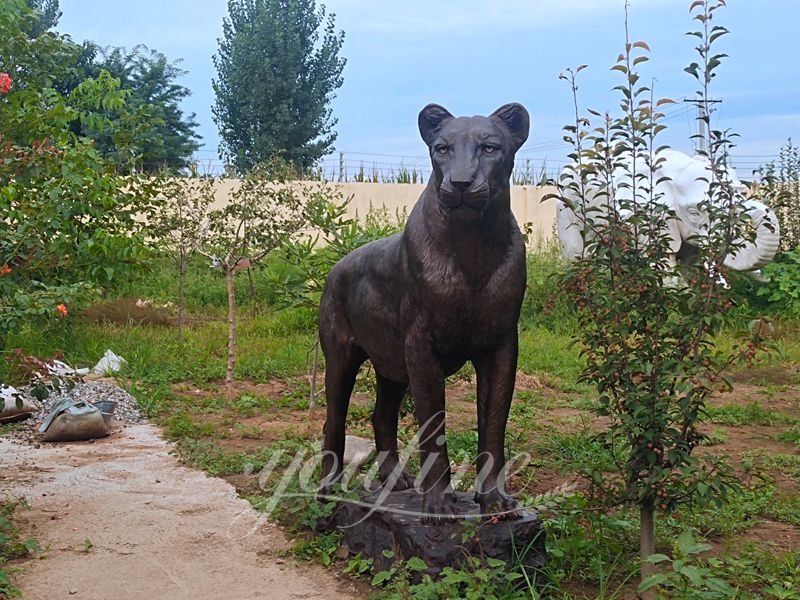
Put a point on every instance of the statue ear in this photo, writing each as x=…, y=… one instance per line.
x=431, y=118
x=516, y=120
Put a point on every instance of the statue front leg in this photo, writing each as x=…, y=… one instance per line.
x=496, y=373
x=426, y=380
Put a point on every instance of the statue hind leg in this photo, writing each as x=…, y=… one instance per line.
x=384, y=422
x=342, y=361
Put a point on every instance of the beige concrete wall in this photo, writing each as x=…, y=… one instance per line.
x=526, y=202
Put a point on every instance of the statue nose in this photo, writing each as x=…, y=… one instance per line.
x=461, y=183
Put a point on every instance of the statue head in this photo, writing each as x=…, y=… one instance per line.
x=472, y=157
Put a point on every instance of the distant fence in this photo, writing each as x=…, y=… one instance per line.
x=526, y=202
x=358, y=167
x=365, y=167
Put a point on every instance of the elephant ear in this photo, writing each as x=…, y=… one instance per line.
x=430, y=121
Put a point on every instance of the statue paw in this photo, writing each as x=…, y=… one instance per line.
x=398, y=482
x=439, y=508
x=326, y=490
x=497, y=505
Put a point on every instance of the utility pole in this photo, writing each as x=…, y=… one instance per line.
x=703, y=114
x=341, y=165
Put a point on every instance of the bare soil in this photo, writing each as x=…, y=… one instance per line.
x=122, y=519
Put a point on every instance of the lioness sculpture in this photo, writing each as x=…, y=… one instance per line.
x=421, y=303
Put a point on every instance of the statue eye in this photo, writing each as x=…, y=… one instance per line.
x=489, y=149
x=442, y=149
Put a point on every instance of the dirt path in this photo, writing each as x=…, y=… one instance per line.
x=121, y=519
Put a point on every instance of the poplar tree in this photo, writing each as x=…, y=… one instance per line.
x=278, y=67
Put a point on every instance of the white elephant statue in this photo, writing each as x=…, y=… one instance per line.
x=681, y=182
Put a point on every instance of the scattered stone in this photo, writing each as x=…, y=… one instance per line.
x=343, y=552
x=357, y=451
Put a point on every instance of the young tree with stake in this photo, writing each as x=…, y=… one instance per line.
x=181, y=224
x=266, y=211
x=647, y=325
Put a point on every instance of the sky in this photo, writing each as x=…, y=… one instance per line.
x=474, y=56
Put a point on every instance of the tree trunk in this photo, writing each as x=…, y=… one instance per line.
x=312, y=399
x=253, y=306
x=229, y=280
x=647, y=545
x=181, y=296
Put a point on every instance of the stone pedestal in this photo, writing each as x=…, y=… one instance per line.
x=395, y=525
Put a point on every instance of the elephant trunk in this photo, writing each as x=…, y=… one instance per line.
x=757, y=253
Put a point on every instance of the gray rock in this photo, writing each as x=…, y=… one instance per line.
x=357, y=451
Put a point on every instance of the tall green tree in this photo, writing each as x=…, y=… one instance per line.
x=47, y=12
x=149, y=132
x=70, y=223
x=278, y=67
x=161, y=135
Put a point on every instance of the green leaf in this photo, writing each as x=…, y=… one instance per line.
x=382, y=577
x=652, y=581
x=416, y=564
x=657, y=558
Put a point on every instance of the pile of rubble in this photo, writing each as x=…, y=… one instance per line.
x=127, y=411
x=73, y=387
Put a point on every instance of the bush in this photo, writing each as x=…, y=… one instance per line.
x=69, y=222
x=781, y=189
x=783, y=290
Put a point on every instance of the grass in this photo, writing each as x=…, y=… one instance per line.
x=791, y=435
x=787, y=464
x=576, y=451
x=156, y=357
x=747, y=415
x=560, y=363
x=592, y=550
x=12, y=545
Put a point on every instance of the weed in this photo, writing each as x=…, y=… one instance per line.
x=479, y=579
x=358, y=565
x=791, y=435
x=786, y=509
x=741, y=511
x=360, y=416
x=248, y=405
x=320, y=547
x=11, y=545
x=752, y=569
x=589, y=545
x=750, y=414
x=690, y=576
x=182, y=425
x=212, y=459
x=249, y=432
x=462, y=446
x=788, y=464
x=580, y=451
x=715, y=437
